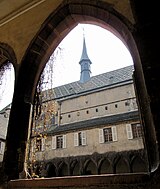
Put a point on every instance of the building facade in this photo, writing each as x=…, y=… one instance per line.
x=4, y=118
x=91, y=126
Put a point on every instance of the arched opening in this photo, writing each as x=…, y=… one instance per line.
x=138, y=165
x=122, y=166
x=49, y=99
x=38, y=60
x=105, y=167
x=7, y=85
x=76, y=169
x=90, y=168
x=6, y=94
x=51, y=170
x=7, y=82
x=63, y=170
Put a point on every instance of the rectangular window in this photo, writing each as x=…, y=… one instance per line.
x=59, y=142
x=80, y=138
x=108, y=134
x=134, y=130
x=40, y=144
x=137, y=130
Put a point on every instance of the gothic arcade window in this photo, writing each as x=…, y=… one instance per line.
x=71, y=91
x=6, y=84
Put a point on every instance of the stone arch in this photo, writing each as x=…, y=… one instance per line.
x=51, y=170
x=7, y=54
x=90, y=167
x=58, y=25
x=75, y=168
x=8, y=65
x=7, y=57
x=63, y=169
x=105, y=166
x=37, y=170
x=122, y=165
x=53, y=30
x=138, y=165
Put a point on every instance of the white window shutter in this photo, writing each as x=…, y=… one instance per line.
x=114, y=133
x=33, y=146
x=101, y=136
x=53, y=142
x=0, y=147
x=43, y=144
x=64, y=141
x=75, y=139
x=83, y=138
x=3, y=147
x=129, y=131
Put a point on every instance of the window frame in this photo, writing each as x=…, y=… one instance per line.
x=54, y=142
x=41, y=142
x=133, y=133
x=80, y=138
x=102, y=134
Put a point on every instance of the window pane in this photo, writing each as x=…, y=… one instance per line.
x=80, y=138
x=137, y=130
x=107, y=134
x=59, y=141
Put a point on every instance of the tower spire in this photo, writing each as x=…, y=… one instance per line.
x=85, y=63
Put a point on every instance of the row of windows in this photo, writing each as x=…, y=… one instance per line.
x=108, y=134
x=131, y=103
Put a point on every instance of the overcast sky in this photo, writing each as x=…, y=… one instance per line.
x=105, y=51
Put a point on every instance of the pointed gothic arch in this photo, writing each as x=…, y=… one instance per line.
x=122, y=165
x=90, y=167
x=7, y=54
x=138, y=165
x=51, y=170
x=53, y=30
x=75, y=168
x=105, y=166
x=63, y=169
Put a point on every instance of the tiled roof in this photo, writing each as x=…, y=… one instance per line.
x=95, y=83
x=101, y=121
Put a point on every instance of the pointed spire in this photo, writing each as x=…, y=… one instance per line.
x=84, y=52
x=85, y=63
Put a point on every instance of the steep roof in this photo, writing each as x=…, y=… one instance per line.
x=98, y=82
